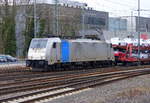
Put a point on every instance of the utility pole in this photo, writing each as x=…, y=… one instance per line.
x=139, y=30
x=132, y=30
x=35, y=25
x=83, y=18
x=56, y=30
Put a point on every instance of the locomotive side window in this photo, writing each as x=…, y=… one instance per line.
x=111, y=45
x=54, y=45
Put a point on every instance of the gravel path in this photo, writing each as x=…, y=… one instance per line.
x=132, y=90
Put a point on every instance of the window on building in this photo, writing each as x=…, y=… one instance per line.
x=95, y=21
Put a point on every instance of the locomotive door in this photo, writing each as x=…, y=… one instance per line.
x=53, y=57
x=65, y=52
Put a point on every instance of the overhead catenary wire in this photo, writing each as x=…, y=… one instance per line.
x=121, y=4
x=121, y=8
x=113, y=10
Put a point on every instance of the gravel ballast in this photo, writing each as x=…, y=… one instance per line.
x=132, y=90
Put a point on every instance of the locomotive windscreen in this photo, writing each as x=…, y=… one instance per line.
x=38, y=44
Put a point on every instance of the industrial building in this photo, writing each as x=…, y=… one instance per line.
x=69, y=20
x=132, y=24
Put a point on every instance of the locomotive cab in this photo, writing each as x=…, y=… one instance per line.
x=42, y=52
x=37, y=49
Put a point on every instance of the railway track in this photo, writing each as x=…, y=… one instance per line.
x=21, y=71
x=48, y=88
x=8, y=69
x=25, y=76
x=18, y=69
x=14, y=78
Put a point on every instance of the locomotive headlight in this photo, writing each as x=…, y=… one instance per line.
x=42, y=57
x=30, y=57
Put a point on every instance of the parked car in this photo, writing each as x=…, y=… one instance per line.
x=7, y=58
x=2, y=59
x=10, y=58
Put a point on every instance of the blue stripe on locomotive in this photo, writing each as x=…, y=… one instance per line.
x=65, y=51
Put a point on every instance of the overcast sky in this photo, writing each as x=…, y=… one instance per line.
x=119, y=7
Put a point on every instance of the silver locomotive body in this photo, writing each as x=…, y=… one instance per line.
x=47, y=53
x=90, y=50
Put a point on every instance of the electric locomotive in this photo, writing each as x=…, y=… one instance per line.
x=52, y=53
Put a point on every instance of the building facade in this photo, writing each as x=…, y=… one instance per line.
x=96, y=19
x=132, y=24
x=70, y=19
x=117, y=24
